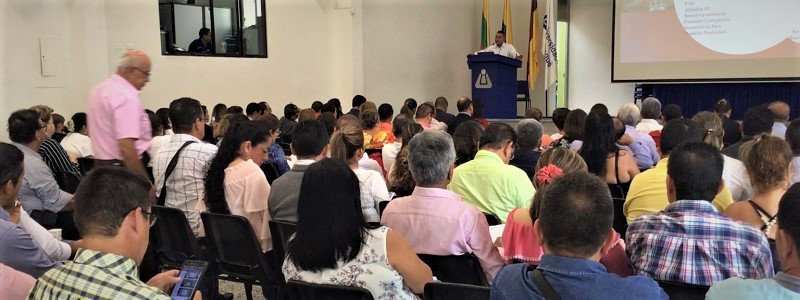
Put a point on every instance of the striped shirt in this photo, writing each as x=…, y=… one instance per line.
x=690, y=242
x=95, y=275
x=56, y=157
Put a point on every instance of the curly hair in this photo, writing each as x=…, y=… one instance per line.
x=403, y=182
x=563, y=158
x=768, y=163
x=369, y=119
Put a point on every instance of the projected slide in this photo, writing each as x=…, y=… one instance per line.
x=715, y=33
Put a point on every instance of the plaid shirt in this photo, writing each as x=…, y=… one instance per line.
x=690, y=242
x=95, y=275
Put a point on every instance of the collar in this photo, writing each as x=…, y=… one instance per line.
x=182, y=137
x=649, y=121
x=464, y=113
x=788, y=281
x=304, y=162
x=112, y=263
x=629, y=128
x=426, y=192
x=693, y=206
x=489, y=156
x=572, y=266
x=122, y=81
x=4, y=215
x=662, y=163
x=25, y=150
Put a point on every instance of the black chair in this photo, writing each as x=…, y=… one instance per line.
x=492, y=219
x=173, y=237
x=464, y=269
x=270, y=171
x=523, y=94
x=620, y=222
x=85, y=164
x=281, y=232
x=297, y=290
x=683, y=291
x=235, y=252
x=68, y=181
x=382, y=206
x=451, y=291
x=287, y=149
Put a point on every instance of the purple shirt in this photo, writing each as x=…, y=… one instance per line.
x=115, y=113
x=436, y=221
x=14, y=284
x=643, y=148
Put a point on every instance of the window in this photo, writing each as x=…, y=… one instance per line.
x=231, y=28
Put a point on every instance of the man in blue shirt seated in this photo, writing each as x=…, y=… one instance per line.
x=574, y=229
x=202, y=44
x=786, y=284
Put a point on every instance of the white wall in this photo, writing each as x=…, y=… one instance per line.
x=589, y=67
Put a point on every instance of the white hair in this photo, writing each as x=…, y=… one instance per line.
x=629, y=114
x=430, y=155
x=126, y=62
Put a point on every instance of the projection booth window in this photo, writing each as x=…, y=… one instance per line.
x=230, y=28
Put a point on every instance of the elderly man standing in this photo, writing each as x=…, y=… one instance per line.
x=120, y=128
x=780, y=111
x=643, y=145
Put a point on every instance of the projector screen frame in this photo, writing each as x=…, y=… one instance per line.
x=692, y=80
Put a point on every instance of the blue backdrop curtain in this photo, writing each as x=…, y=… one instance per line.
x=694, y=98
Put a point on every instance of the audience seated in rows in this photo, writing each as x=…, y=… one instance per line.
x=780, y=112
x=689, y=241
x=488, y=182
x=51, y=151
x=390, y=150
x=574, y=228
x=113, y=213
x=785, y=284
x=235, y=183
x=425, y=116
x=793, y=138
x=528, y=147
x=364, y=162
x=643, y=145
x=604, y=158
x=310, y=144
x=734, y=172
x=334, y=244
x=77, y=143
x=757, y=120
x=651, y=113
x=347, y=144
x=648, y=192
x=733, y=131
x=465, y=110
x=467, y=139
x=433, y=219
x=184, y=186
x=574, y=128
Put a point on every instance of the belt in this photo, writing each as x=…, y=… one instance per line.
x=98, y=163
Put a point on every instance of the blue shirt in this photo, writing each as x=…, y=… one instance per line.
x=18, y=251
x=783, y=286
x=39, y=189
x=643, y=148
x=197, y=46
x=277, y=158
x=572, y=278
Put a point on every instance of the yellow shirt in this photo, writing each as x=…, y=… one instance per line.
x=648, y=193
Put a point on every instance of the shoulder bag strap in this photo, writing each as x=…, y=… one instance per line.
x=544, y=286
x=162, y=196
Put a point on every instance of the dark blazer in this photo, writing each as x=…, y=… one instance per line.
x=444, y=117
x=460, y=118
x=733, y=132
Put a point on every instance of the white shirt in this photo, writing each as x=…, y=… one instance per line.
x=373, y=191
x=78, y=144
x=156, y=143
x=55, y=249
x=370, y=164
x=795, y=170
x=185, y=186
x=736, y=179
x=505, y=49
x=648, y=125
x=779, y=130
x=389, y=154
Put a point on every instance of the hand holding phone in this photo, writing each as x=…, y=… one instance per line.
x=190, y=276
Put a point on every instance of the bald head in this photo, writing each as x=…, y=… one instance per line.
x=135, y=67
x=780, y=110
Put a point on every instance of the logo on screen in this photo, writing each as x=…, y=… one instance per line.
x=483, y=82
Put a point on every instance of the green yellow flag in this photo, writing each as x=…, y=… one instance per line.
x=507, y=20
x=533, y=54
x=485, y=25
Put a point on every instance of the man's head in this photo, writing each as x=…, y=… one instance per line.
x=369, y=119
x=534, y=113
x=113, y=203
x=694, y=172
x=11, y=171
x=135, y=67
x=385, y=112
x=464, y=105
x=672, y=112
x=265, y=108
x=757, y=120
x=629, y=114
x=441, y=103
x=788, y=235
x=317, y=107
x=500, y=139
x=651, y=108
x=328, y=119
x=348, y=120
x=575, y=217
x=431, y=158
x=677, y=132
x=529, y=134
x=254, y=110
x=559, y=117
x=310, y=140
x=499, y=38
x=25, y=127
x=425, y=111
x=236, y=110
x=780, y=111
x=187, y=117
x=291, y=111
x=205, y=35
x=358, y=100
x=599, y=107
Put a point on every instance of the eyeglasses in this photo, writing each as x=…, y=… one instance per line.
x=150, y=216
x=143, y=71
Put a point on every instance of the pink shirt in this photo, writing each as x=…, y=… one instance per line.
x=14, y=284
x=114, y=113
x=436, y=221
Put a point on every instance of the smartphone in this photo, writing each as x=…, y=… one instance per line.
x=190, y=277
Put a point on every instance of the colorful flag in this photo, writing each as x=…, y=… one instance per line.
x=485, y=25
x=533, y=55
x=507, y=20
x=549, y=46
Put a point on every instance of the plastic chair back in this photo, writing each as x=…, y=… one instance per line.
x=683, y=291
x=464, y=269
x=448, y=291
x=297, y=290
x=173, y=237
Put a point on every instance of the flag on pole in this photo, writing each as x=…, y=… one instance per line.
x=485, y=25
x=549, y=47
x=506, y=28
x=533, y=55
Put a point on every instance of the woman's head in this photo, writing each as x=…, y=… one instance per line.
x=466, y=139
x=58, y=122
x=599, y=140
x=155, y=123
x=273, y=126
x=218, y=112
x=368, y=105
x=227, y=120
x=711, y=125
x=330, y=224
x=793, y=136
x=369, y=119
x=46, y=115
x=574, y=124
x=347, y=144
x=163, y=115
x=768, y=163
x=477, y=108
x=553, y=163
x=409, y=108
x=79, y=123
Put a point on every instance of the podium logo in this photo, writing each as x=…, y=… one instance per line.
x=483, y=82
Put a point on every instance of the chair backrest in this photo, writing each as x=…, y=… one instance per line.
x=382, y=206
x=492, y=219
x=448, y=291
x=67, y=181
x=281, y=232
x=676, y=290
x=86, y=164
x=522, y=88
x=270, y=171
x=465, y=269
x=776, y=262
x=620, y=223
x=233, y=247
x=174, y=238
x=298, y=290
